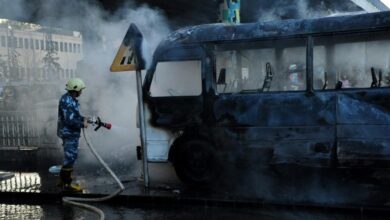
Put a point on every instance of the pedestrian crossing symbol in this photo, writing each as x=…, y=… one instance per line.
x=129, y=57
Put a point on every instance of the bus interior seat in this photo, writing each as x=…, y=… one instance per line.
x=339, y=85
x=268, y=77
x=375, y=81
x=222, y=78
x=324, y=87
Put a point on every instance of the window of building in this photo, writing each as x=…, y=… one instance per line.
x=351, y=61
x=46, y=74
x=42, y=46
x=66, y=47
x=48, y=46
x=29, y=74
x=41, y=74
x=3, y=43
x=74, y=48
x=9, y=41
x=56, y=45
x=70, y=47
x=26, y=43
x=188, y=73
x=20, y=45
x=22, y=74
x=14, y=42
x=37, y=44
x=261, y=66
x=61, y=46
x=31, y=44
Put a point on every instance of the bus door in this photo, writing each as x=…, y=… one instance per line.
x=174, y=99
x=262, y=109
x=356, y=69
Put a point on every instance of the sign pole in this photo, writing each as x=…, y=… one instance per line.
x=141, y=110
x=129, y=57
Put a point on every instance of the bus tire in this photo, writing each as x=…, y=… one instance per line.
x=196, y=163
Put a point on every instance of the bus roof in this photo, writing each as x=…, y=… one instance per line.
x=276, y=29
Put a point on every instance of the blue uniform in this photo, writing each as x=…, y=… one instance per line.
x=69, y=127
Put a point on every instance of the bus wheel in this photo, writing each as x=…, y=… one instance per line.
x=196, y=163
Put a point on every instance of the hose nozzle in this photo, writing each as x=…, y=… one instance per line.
x=97, y=121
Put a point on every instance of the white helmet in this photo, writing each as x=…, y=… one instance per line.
x=75, y=84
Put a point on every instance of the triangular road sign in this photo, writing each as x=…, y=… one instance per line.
x=129, y=57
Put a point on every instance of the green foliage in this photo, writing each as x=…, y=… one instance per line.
x=50, y=60
x=3, y=67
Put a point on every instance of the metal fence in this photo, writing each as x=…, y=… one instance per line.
x=18, y=129
x=22, y=182
x=21, y=212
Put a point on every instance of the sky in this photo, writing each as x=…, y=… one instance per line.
x=386, y=2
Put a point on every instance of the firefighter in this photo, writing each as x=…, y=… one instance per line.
x=70, y=123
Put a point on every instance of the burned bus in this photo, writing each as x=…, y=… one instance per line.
x=312, y=93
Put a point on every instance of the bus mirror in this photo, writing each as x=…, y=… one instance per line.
x=222, y=77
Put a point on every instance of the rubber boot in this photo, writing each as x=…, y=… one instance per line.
x=66, y=181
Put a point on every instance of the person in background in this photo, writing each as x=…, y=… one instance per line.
x=345, y=81
x=295, y=81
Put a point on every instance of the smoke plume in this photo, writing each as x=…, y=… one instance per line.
x=294, y=9
x=112, y=96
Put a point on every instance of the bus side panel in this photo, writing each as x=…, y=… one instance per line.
x=289, y=127
x=363, y=128
x=307, y=145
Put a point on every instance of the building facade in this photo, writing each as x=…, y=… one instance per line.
x=35, y=63
x=31, y=53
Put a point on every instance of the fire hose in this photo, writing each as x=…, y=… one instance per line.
x=76, y=201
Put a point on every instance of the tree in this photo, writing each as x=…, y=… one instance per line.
x=3, y=68
x=12, y=55
x=50, y=62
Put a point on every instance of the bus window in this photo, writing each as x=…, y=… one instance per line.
x=265, y=66
x=351, y=61
x=177, y=78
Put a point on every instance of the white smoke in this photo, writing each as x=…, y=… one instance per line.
x=297, y=9
x=112, y=96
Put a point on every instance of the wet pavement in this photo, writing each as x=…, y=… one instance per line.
x=57, y=211
x=34, y=195
x=31, y=193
